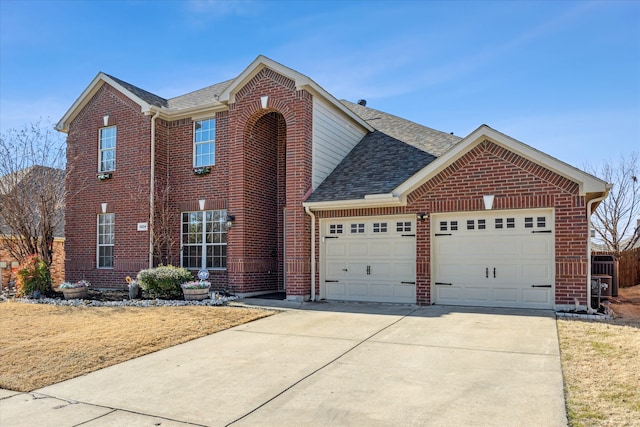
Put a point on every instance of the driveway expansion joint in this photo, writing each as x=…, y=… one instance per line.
x=315, y=371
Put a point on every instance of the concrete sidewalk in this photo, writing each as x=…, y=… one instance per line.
x=327, y=364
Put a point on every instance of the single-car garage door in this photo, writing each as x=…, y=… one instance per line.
x=370, y=260
x=494, y=258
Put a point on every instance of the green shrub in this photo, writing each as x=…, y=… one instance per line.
x=34, y=279
x=164, y=281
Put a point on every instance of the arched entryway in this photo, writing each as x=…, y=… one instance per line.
x=265, y=175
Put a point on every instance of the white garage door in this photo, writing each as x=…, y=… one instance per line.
x=494, y=258
x=369, y=260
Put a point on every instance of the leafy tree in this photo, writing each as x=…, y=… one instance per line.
x=616, y=218
x=32, y=192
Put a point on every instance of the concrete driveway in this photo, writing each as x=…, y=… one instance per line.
x=327, y=364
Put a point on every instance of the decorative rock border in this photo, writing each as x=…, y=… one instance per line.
x=222, y=300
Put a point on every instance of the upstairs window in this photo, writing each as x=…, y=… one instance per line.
x=204, y=143
x=107, y=149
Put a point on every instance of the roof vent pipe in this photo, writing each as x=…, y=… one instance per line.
x=362, y=102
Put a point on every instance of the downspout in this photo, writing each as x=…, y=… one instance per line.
x=313, y=252
x=590, y=309
x=152, y=186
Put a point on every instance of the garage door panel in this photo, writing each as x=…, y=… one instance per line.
x=355, y=269
x=448, y=247
x=357, y=249
x=404, y=249
x=448, y=293
x=380, y=269
x=404, y=291
x=379, y=248
x=509, y=273
x=335, y=270
x=506, y=295
x=537, y=274
x=336, y=249
x=477, y=294
x=538, y=246
x=404, y=270
x=538, y=296
x=380, y=290
x=358, y=290
x=337, y=290
x=506, y=247
x=473, y=246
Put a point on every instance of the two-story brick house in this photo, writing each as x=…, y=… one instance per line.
x=271, y=183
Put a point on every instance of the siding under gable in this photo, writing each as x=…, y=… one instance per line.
x=334, y=136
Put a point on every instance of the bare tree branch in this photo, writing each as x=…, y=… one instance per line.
x=32, y=191
x=616, y=219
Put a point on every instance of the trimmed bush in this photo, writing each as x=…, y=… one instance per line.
x=34, y=279
x=164, y=281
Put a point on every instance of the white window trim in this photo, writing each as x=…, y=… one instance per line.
x=203, y=245
x=101, y=150
x=211, y=141
x=99, y=245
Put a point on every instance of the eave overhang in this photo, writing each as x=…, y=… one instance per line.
x=90, y=91
x=589, y=186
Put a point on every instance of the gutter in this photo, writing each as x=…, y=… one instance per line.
x=152, y=186
x=590, y=309
x=313, y=252
x=369, y=201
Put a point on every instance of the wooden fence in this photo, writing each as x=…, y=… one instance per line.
x=628, y=266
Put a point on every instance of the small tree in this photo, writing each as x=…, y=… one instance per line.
x=616, y=219
x=163, y=221
x=32, y=192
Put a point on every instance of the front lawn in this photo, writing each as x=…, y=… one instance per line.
x=601, y=366
x=43, y=344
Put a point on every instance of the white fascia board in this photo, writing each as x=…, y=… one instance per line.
x=87, y=94
x=588, y=183
x=367, y=202
x=301, y=82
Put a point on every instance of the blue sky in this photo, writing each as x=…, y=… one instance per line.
x=563, y=77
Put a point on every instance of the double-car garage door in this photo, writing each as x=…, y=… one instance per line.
x=489, y=258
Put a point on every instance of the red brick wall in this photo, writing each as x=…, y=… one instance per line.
x=263, y=167
x=517, y=183
x=126, y=193
x=186, y=188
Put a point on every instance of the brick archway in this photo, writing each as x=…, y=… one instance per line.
x=270, y=143
x=264, y=171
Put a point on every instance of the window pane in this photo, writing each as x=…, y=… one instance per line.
x=204, y=142
x=205, y=130
x=204, y=234
x=106, y=237
x=107, y=148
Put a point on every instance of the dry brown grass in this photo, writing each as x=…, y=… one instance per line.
x=601, y=367
x=45, y=344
